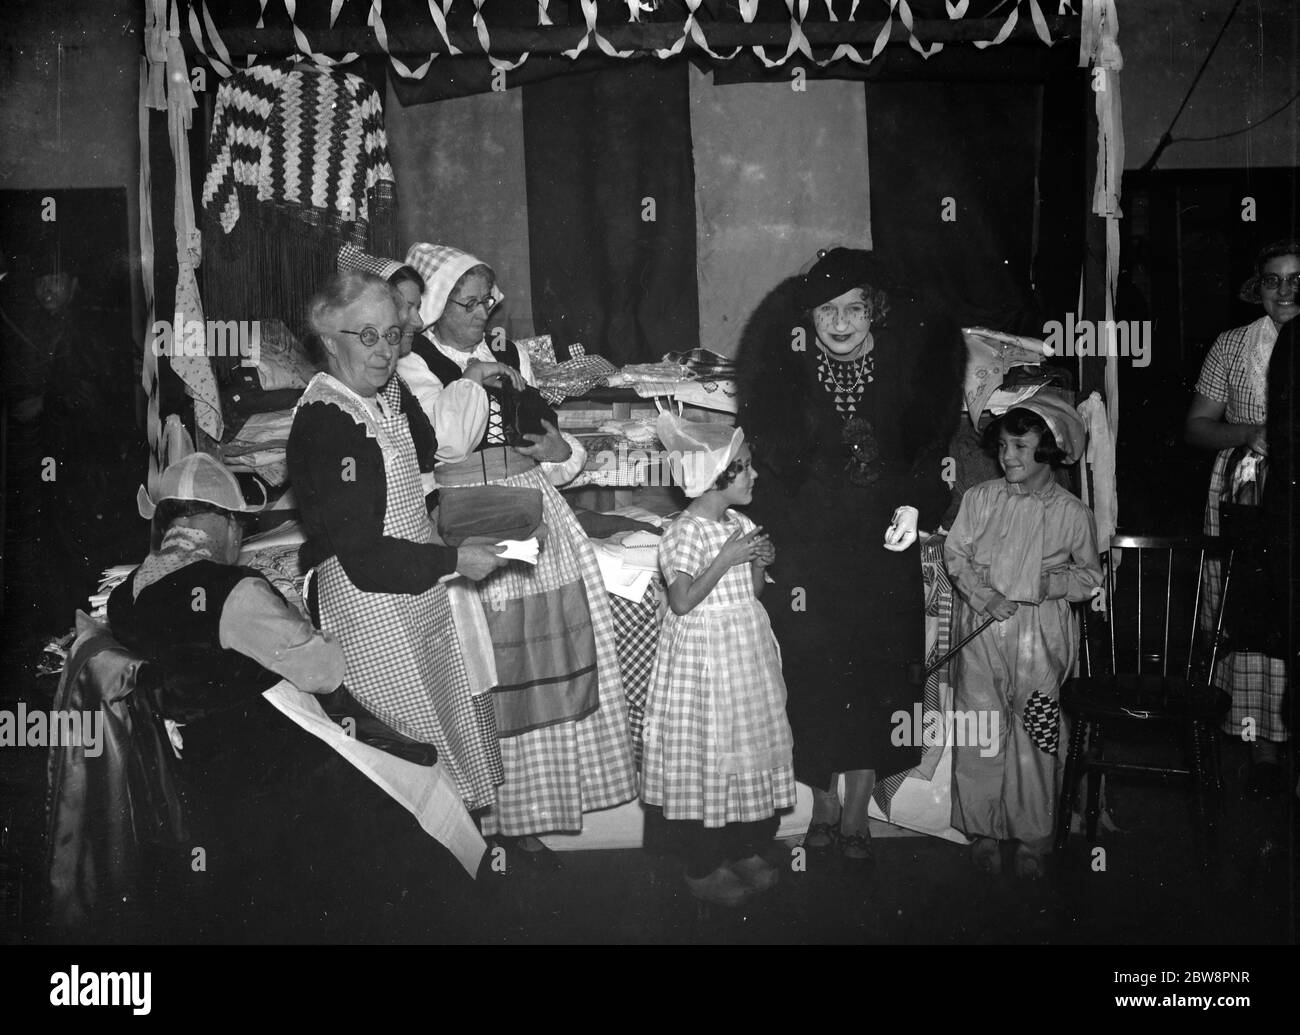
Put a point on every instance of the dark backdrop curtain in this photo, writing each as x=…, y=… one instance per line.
x=599, y=148
x=976, y=143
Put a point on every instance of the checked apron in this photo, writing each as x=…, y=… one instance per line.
x=404, y=661
x=554, y=772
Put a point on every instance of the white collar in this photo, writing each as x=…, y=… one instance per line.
x=461, y=359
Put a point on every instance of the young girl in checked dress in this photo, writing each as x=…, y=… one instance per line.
x=717, y=743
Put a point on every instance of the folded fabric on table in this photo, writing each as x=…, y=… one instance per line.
x=542, y=350
x=620, y=579
x=638, y=432
x=706, y=363
x=640, y=549
x=653, y=373
x=261, y=431
x=599, y=526
x=260, y=446
x=577, y=376
x=707, y=395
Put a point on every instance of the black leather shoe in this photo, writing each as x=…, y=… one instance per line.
x=542, y=860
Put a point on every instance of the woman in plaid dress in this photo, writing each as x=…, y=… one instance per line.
x=717, y=742
x=1229, y=411
x=561, y=715
x=358, y=442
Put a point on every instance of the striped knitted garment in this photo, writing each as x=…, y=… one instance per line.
x=298, y=166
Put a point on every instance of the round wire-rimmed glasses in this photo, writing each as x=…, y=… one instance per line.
x=370, y=336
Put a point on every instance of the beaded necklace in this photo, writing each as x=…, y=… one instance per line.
x=846, y=381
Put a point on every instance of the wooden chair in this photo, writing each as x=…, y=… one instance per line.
x=1145, y=685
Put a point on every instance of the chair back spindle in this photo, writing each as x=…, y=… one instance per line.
x=1150, y=691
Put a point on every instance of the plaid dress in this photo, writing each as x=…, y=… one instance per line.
x=404, y=661
x=556, y=773
x=1235, y=373
x=717, y=742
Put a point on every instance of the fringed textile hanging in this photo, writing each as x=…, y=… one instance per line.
x=299, y=167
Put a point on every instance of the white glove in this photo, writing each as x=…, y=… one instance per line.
x=902, y=531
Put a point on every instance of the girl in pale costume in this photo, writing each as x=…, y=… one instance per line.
x=717, y=743
x=1021, y=550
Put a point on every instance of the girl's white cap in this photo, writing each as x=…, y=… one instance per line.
x=698, y=452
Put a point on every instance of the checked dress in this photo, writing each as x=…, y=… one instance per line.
x=1235, y=373
x=404, y=661
x=717, y=742
x=555, y=773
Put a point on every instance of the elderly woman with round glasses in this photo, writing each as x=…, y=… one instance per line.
x=561, y=714
x=458, y=412
x=1228, y=416
x=356, y=450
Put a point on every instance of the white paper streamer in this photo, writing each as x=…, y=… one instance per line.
x=589, y=16
x=1035, y=15
x=304, y=47
x=481, y=26
x=376, y=22
x=1099, y=47
x=692, y=29
x=222, y=68
x=215, y=51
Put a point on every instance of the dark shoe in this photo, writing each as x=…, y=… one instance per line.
x=541, y=859
x=722, y=887
x=857, y=848
x=1029, y=865
x=986, y=854
x=756, y=873
x=820, y=837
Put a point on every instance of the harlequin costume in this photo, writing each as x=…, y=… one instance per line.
x=1038, y=549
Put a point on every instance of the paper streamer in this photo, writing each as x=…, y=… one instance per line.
x=589, y=16
x=304, y=47
x=481, y=26
x=692, y=29
x=214, y=50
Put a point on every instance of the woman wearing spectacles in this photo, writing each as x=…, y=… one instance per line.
x=563, y=724
x=459, y=411
x=1228, y=416
x=358, y=444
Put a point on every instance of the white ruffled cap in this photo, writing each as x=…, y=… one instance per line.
x=698, y=451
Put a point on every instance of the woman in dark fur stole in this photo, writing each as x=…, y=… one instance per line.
x=850, y=386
